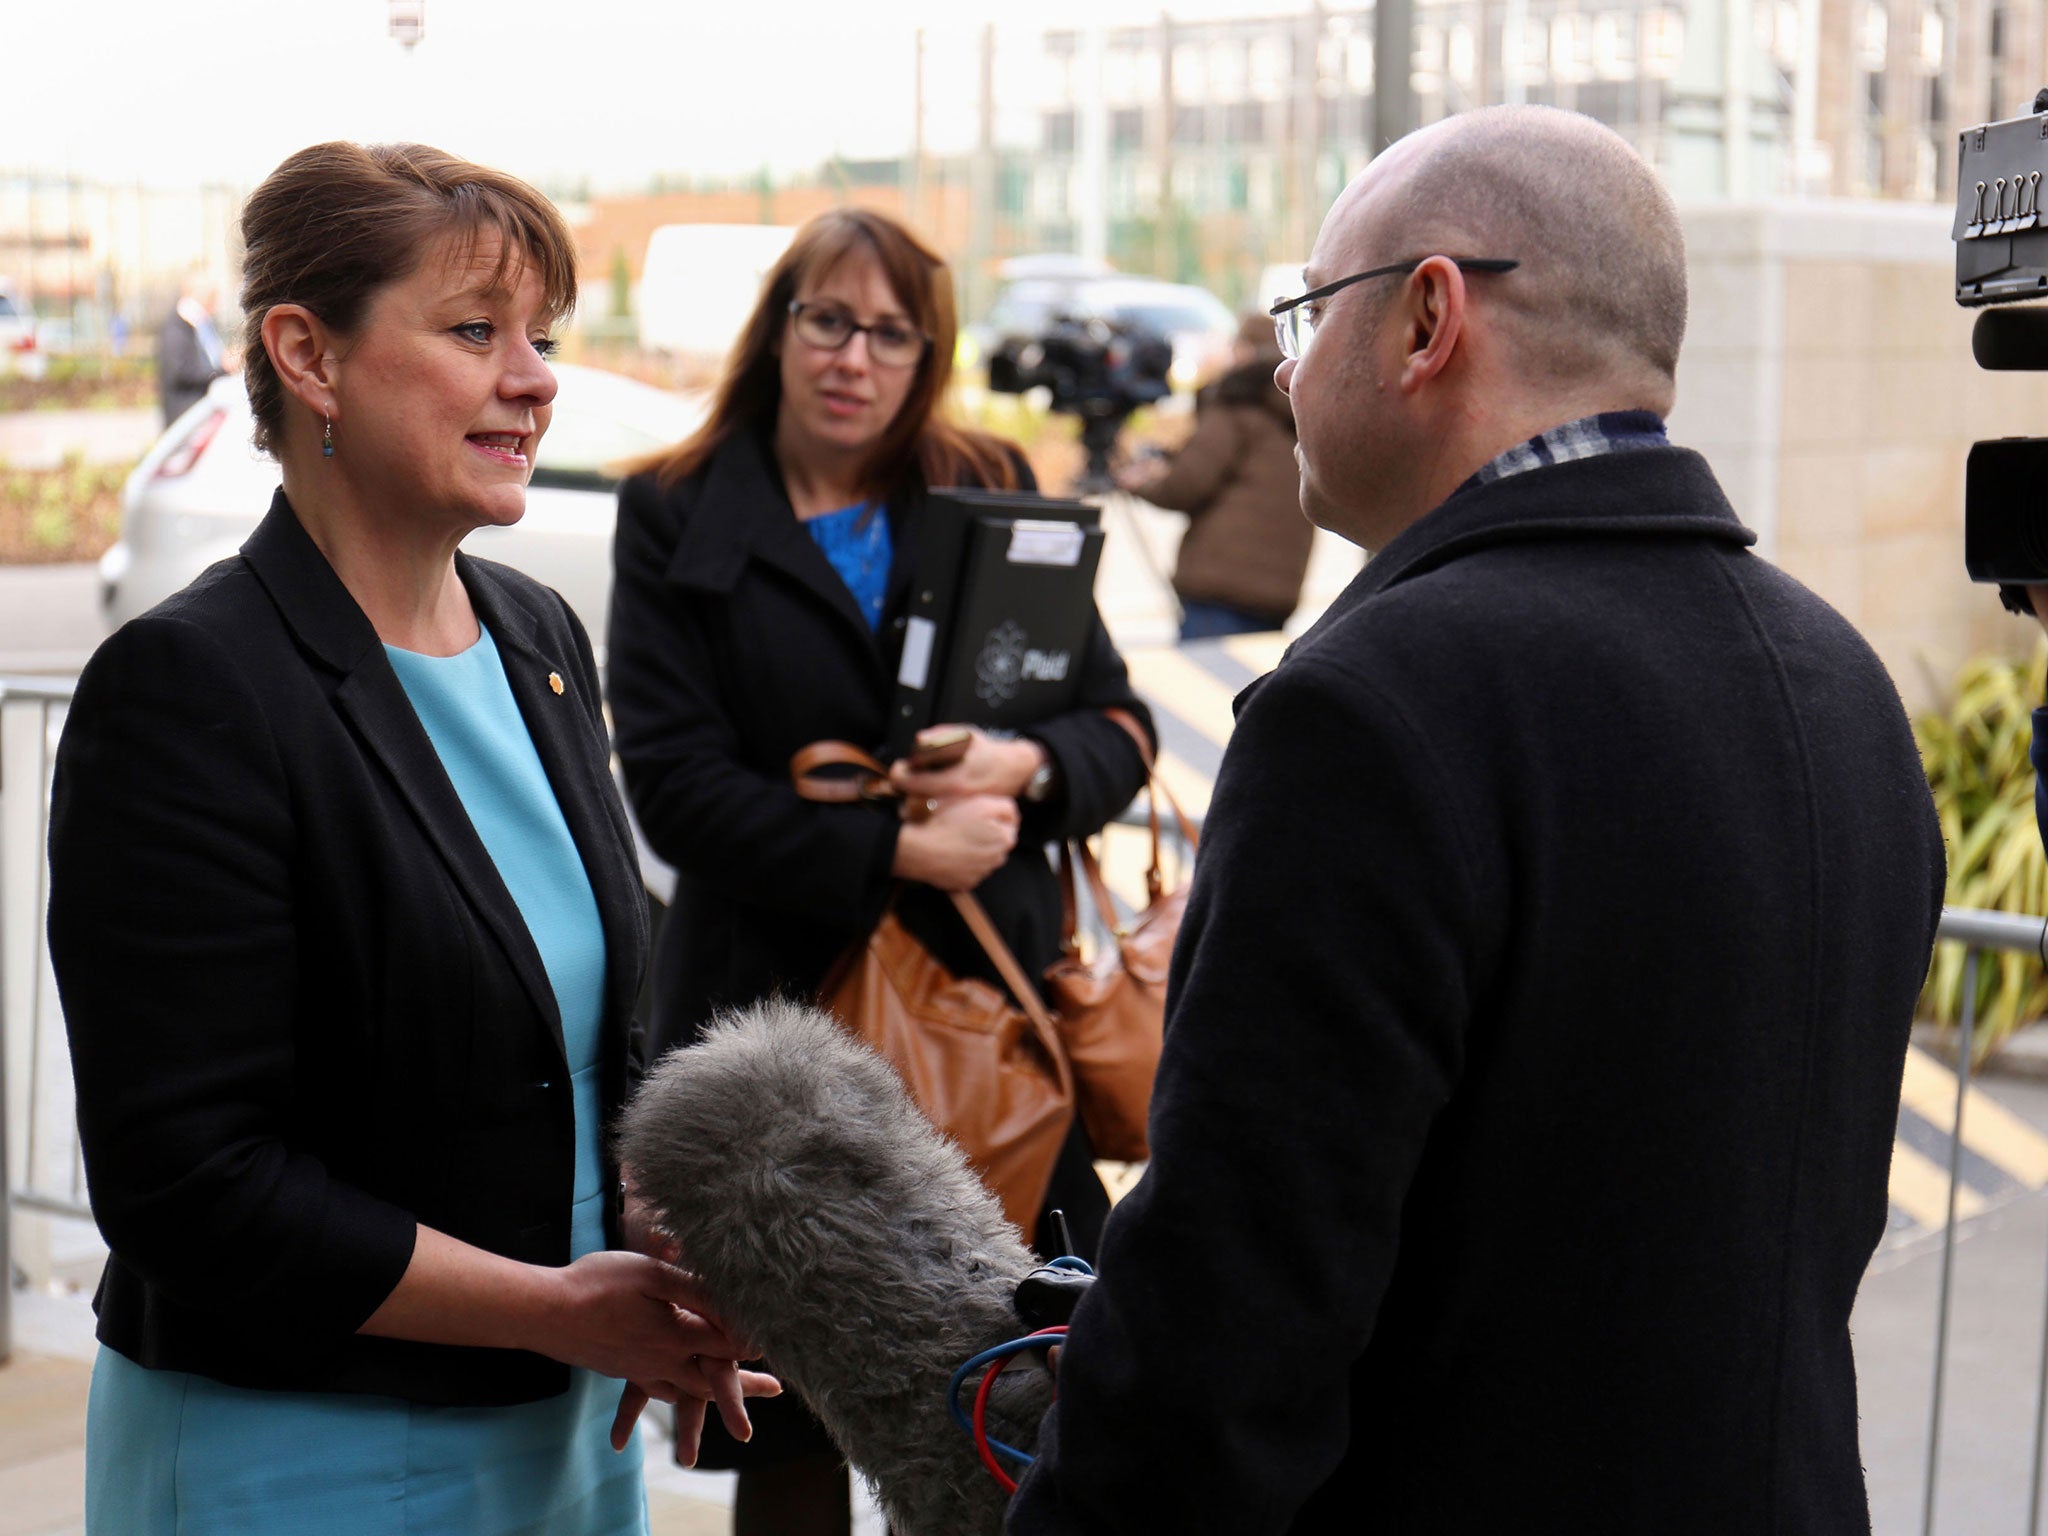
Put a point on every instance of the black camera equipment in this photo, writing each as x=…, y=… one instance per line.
x=2001, y=238
x=1099, y=370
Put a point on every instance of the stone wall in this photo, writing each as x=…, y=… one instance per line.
x=1827, y=376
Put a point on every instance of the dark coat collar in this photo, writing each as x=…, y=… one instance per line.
x=1639, y=493
x=333, y=628
x=739, y=511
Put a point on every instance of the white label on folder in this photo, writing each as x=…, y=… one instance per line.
x=1035, y=543
x=916, y=668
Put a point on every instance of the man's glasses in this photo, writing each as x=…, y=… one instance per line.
x=891, y=343
x=1294, y=320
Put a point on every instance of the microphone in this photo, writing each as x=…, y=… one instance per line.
x=843, y=1235
x=2011, y=337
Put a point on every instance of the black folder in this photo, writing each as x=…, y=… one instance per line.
x=1000, y=610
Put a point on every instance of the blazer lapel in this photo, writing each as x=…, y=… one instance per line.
x=578, y=768
x=326, y=619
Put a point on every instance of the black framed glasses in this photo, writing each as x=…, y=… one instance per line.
x=1295, y=323
x=891, y=343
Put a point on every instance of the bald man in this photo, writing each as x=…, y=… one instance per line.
x=1535, y=1032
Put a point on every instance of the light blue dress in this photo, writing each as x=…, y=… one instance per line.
x=173, y=1454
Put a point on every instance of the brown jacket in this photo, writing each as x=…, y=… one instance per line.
x=1247, y=542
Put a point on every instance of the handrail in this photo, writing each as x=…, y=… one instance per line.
x=1977, y=930
x=34, y=765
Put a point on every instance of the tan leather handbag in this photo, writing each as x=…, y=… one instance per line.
x=990, y=1074
x=1111, y=1009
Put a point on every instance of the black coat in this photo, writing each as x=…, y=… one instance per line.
x=733, y=643
x=305, y=1013
x=1532, y=1057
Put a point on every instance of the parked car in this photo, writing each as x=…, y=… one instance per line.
x=20, y=349
x=202, y=489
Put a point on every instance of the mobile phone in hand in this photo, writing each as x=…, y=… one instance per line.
x=940, y=746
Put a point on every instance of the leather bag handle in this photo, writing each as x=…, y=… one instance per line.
x=871, y=782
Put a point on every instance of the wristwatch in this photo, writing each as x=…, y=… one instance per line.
x=1038, y=788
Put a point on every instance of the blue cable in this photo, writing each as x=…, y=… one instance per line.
x=989, y=1357
x=1069, y=1261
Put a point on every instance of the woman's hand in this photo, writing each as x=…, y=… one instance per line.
x=629, y=1316
x=959, y=843
x=989, y=767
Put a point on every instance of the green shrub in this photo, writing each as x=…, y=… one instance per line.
x=1977, y=763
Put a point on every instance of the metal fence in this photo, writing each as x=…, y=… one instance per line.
x=43, y=1169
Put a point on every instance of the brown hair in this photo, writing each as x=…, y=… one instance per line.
x=337, y=222
x=750, y=388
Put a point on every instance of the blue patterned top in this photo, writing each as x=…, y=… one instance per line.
x=856, y=540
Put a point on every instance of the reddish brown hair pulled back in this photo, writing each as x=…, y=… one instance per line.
x=337, y=222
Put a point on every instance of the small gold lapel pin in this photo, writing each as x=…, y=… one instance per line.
x=555, y=681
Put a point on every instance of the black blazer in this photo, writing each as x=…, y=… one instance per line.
x=733, y=643
x=304, y=1011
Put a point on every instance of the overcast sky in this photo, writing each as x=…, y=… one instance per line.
x=178, y=91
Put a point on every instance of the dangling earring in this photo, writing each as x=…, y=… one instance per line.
x=327, y=440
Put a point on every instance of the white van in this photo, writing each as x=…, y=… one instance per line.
x=699, y=283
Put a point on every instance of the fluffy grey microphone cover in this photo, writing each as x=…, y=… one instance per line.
x=849, y=1241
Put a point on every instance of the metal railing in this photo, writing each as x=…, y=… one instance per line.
x=43, y=1169
x=1977, y=932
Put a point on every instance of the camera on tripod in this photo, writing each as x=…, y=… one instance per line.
x=2001, y=236
x=1099, y=370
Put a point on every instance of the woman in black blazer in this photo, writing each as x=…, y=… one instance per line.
x=348, y=928
x=761, y=582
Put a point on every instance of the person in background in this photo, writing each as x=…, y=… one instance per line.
x=1534, y=1036
x=1247, y=545
x=762, y=573
x=189, y=354
x=348, y=927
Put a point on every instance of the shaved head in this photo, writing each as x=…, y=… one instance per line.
x=1601, y=289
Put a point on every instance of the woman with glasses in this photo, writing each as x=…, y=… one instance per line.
x=762, y=583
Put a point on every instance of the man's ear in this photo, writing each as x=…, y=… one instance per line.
x=302, y=351
x=1435, y=320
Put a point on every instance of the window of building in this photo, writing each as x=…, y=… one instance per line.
x=1872, y=35
x=1932, y=41
x=1571, y=47
x=1614, y=45
x=1663, y=42
x=1056, y=132
x=1426, y=67
x=1527, y=49
x=1121, y=82
x=1461, y=54
x=1358, y=62
x=1244, y=122
x=1227, y=71
x=1190, y=125
x=1191, y=73
x=1127, y=128
x=1269, y=68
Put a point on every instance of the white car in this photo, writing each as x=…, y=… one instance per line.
x=202, y=490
